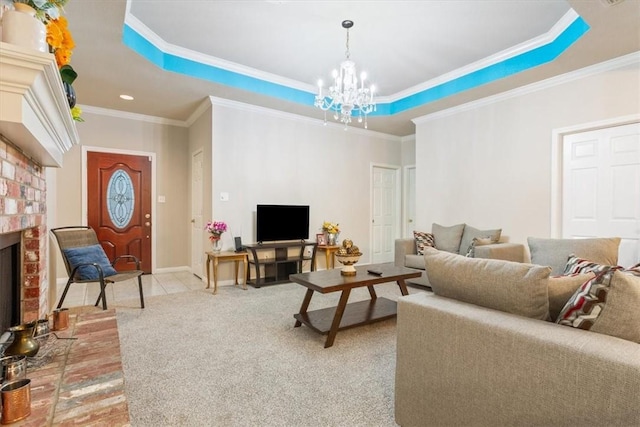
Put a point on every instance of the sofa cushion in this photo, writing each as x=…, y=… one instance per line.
x=562, y=288
x=471, y=250
x=470, y=233
x=447, y=238
x=607, y=304
x=508, y=286
x=555, y=252
x=423, y=239
x=580, y=265
x=414, y=261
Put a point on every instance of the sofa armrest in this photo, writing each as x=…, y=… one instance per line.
x=504, y=251
x=403, y=247
x=460, y=364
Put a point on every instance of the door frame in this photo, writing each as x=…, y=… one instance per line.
x=85, y=209
x=405, y=199
x=557, y=161
x=398, y=203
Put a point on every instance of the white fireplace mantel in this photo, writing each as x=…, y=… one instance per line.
x=34, y=112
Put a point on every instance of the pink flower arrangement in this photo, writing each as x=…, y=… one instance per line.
x=215, y=228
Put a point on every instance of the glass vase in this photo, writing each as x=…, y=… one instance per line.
x=216, y=245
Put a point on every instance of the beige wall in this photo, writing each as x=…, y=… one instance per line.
x=490, y=166
x=170, y=145
x=264, y=157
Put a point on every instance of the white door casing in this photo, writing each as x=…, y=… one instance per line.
x=197, y=225
x=385, y=212
x=601, y=187
x=409, y=200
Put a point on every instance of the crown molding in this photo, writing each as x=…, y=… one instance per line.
x=613, y=64
x=132, y=116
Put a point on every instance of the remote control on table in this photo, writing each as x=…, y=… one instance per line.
x=375, y=272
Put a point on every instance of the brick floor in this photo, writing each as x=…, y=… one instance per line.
x=82, y=384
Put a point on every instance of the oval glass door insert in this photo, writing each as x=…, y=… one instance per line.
x=120, y=198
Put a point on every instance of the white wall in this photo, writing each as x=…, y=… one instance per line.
x=489, y=164
x=260, y=156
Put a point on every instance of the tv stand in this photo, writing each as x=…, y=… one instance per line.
x=278, y=268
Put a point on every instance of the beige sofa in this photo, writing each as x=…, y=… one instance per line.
x=477, y=352
x=456, y=239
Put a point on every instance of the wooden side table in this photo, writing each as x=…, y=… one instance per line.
x=217, y=257
x=329, y=251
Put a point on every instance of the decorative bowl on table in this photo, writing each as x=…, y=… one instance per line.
x=348, y=255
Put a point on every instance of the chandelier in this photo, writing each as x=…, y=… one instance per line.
x=346, y=97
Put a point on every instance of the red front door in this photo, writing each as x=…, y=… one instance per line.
x=119, y=205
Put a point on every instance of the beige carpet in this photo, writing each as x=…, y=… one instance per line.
x=235, y=359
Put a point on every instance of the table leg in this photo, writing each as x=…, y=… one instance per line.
x=237, y=263
x=245, y=262
x=335, y=325
x=208, y=268
x=372, y=292
x=403, y=287
x=304, y=306
x=215, y=275
x=327, y=256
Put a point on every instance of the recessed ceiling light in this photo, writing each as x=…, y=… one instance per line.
x=127, y=97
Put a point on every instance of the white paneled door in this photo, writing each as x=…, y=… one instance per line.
x=197, y=226
x=409, y=201
x=601, y=187
x=385, y=213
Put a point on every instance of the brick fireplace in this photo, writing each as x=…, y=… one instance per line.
x=23, y=209
x=36, y=129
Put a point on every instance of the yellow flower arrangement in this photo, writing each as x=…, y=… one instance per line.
x=60, y=39
x=329, y=227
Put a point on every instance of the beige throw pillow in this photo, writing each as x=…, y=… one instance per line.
x=507, y=286
x=447, y=238
x=471, y=233
x=555, y=252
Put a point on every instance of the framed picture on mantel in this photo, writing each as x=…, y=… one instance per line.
x=321, y=239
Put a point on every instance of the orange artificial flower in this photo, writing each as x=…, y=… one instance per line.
x=63, y=56
x=55, y=35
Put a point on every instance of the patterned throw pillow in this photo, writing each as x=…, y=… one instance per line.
x=477, y=241
x=607, y=305
x=587, y=303
x=423, y=240
x=581, y=265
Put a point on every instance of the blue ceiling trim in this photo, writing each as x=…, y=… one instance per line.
x=524, y=61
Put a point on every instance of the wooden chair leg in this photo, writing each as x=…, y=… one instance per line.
x=141, y=293
x=64, y=293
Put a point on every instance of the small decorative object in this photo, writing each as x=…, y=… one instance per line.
x=60, y=319
x=41, y=331
x=331, y=231
x=13, y=368
x=22, y=28
x=16, y=400
x=348, y=255
x=321, y=239
x=23, y=341
x=216, y=228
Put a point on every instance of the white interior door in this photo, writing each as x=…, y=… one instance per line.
x=410, y=201
x=197, y=247
x=385, y=213
x=601, y=187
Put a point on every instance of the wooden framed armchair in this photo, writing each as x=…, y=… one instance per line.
x=86, y=262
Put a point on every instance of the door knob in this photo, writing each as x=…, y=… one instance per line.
x=193, y=221
x=147, y=223
x=147, y=216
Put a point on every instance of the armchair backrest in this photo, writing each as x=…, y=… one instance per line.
x=74, y=237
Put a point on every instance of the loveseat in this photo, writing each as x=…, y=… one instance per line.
x=481, y=350
x=462, y=239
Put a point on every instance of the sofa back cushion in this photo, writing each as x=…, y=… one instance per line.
x=447, y=238
x=555, y=252
x=470, y=233
x=507, y=286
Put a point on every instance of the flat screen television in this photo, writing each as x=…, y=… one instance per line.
x=282, y=222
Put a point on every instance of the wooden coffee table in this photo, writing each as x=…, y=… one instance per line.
x=331, y=320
